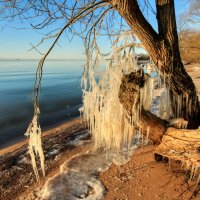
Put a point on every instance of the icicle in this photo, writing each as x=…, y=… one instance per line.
x=179, y=123
x=147, y=93
x=165, y=105
x=192, y=174
x=188, y=164
x=198, y=181
x=148, y=131
x=35, y=143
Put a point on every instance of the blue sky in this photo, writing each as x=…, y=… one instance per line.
x=16, y=43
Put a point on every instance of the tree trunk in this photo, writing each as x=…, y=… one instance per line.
x=164, y=51
x=184, y=99
x=145, y=121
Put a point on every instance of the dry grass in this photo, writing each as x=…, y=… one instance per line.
x=189, y=43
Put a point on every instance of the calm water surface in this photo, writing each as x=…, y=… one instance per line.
x=59, y=102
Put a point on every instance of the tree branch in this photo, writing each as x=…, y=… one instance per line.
x=167, y=25
x=39, y=72
x=130, y=11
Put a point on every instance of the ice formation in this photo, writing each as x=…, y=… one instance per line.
x=179, y=123
x=77, y=178
x=146, y=93
x=108, y=122
x=35, y=143
x=183, y=102
x=165, y=111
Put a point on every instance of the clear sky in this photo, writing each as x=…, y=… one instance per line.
x=15, y=43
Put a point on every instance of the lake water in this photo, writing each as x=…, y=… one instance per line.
x=59, y=102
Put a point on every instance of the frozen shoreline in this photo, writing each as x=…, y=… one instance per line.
x=59, y=145
x=50, y=131
x=140, y=178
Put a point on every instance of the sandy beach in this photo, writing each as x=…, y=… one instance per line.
x=17, y=176
x=140, y=178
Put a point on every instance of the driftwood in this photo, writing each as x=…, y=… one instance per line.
x=182, y=145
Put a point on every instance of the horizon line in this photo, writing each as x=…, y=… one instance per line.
x=37, y=59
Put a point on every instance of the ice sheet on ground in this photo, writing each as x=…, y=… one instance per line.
x=77, y=178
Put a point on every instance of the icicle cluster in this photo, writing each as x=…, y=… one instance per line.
x=107, y=120
x=183, y=102
x=165, y=111
x=35, y=143
x=179, y=123
x=194, y=167
x=182, y=145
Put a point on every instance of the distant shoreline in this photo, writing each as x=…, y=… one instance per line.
x=20, y=60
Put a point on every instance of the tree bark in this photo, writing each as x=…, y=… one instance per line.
x=184, y=146
x=182, y=88
x=148, y=123
x=164, y=51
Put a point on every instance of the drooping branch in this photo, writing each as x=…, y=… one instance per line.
x=34, y=130
x=78, y=16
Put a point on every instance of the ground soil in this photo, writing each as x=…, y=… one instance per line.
x=142, y=178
